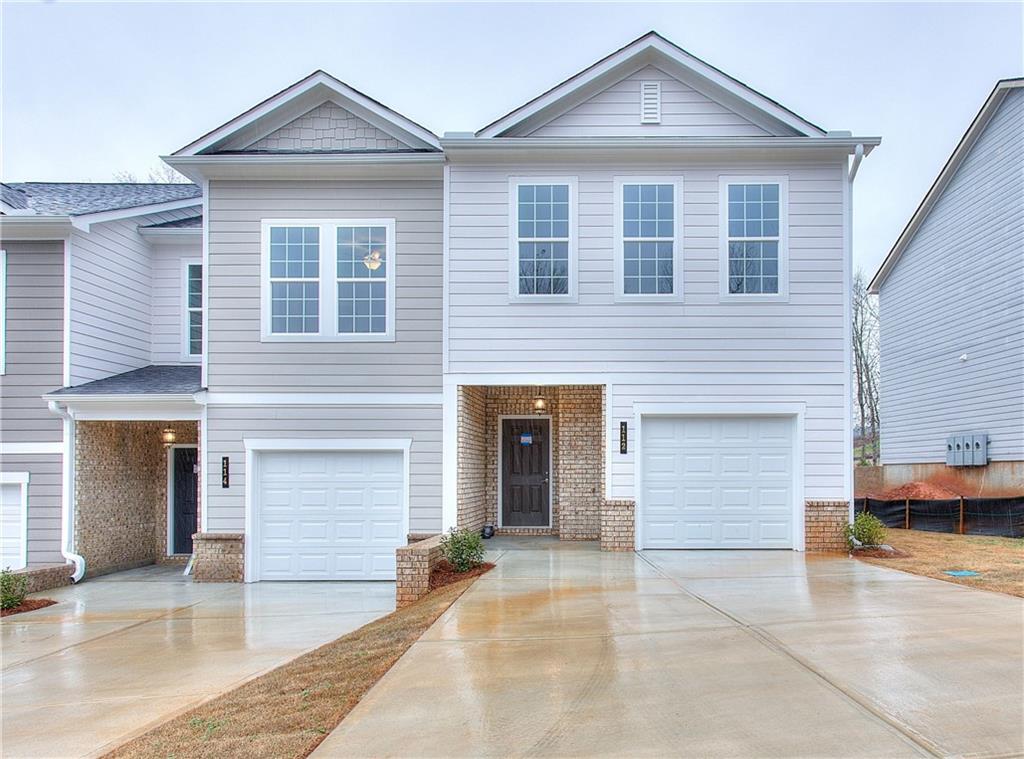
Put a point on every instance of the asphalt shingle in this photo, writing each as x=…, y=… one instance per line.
x=76, y=198
x=150, y=380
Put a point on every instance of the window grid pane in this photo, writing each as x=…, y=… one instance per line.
x=194, y=300
x=362, y=272
x=648, y=231
x=294, y=280
x=543, y=231
x=195, y=333
x=753, y=245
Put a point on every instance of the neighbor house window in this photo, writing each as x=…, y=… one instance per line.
x=754, y=221
x=647, y=222
x=543, y=239
x=193, y=311
x=329, y=280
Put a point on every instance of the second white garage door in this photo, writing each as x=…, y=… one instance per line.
x=329, y=515
x=717, y=482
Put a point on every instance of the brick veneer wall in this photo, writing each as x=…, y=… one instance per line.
x=617, y=526
x=47, y=577
x=414, y=565
x=581, y=461
x=472, y=457
x=823, y=526
x=121, y=492
x=219, y=557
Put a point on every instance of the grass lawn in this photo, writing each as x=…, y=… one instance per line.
x=999, y=560
x=290, y=710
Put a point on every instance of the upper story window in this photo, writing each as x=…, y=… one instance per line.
x=193, y=308
x=329, y=280
x=543, y=221
x=648, y=219
x=754, y=237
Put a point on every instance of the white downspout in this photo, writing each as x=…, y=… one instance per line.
x=67, y=512
x=858, y=156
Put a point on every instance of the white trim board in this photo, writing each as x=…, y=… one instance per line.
x=30, y=449
x=321, y=399
x=21, y=479
x=551, y=470
x=255, y=446
x=85, y=221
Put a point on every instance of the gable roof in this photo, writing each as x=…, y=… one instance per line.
x=298, y=99
x=79, y=198
x=650, y=49
x=974, y=131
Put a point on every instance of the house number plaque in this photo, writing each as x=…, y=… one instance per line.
x=623, y=437
x=225, y=473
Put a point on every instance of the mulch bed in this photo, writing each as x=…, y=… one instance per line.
x=29, y=604
x=878, y=553
x=445, y=574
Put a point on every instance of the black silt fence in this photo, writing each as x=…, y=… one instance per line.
x=1002, y=517
x=890, y=513
x=994, y=516
x=935, y=516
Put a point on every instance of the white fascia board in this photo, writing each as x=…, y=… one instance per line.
x=35, y=227
x=931, y=197
x=310, y=166
x=174, y=232
x=31, y=449
x=640, y=50
x=351, y=99
x=84, y=221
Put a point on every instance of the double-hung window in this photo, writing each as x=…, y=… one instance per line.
x=329, y=280
x=192, y=309
x=648, y=221
x=543, y=222
x=754, y=246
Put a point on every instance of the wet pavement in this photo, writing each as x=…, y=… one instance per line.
x=122, y=653
x=563, y=650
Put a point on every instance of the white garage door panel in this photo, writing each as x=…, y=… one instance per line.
x=12, y=537
x=717, y=482
x=334, y=515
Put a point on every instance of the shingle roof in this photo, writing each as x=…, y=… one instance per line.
x=189, y=222
x=150, y=380
x=12, y=197
x=76, y=198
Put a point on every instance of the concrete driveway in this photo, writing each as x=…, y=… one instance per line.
x=121, y=653
x=566, y=651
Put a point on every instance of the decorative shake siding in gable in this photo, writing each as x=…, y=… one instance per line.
x=327, y=127
x=240, y=362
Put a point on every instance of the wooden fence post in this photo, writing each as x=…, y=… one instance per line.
x=906, y=514
x=961, y=515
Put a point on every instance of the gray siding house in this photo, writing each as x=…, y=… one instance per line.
x=618, y=313
x=951, y=300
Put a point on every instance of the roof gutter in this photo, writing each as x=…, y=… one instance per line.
x=67, y=512
x=849, y=144
x=306, y=165
x=858, y=156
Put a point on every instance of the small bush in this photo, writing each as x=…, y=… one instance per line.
x=867, y=528
x=464, y=549
x=13, y=589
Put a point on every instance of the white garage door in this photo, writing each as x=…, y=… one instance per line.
x=329, y=515
x=12, y=526
x=717, y=482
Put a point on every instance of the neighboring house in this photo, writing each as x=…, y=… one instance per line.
x=619, y=313
x=951, y=302
x=93, y=278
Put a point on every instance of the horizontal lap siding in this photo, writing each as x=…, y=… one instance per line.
x=35, y=341
x=228, y=426
x=959, y=288
x=699, y=350
x=240, y=362
x=168, y=317
x=44, y=503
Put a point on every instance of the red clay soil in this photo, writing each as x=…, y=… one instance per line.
x=29, y=604
x=445, y=574
x=919, y=490
x=878, y=553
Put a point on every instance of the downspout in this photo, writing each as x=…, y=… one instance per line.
x=67, y=512
x=858, y=156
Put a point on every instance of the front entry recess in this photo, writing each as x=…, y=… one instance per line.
x=526, y=472
x=185, y=499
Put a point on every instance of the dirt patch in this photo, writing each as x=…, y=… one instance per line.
x=879, y=553
x=29, y=604
x=999, y=562
x=930, y=491
x=445, y=574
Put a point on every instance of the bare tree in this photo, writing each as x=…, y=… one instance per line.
x=865, y=368
x=159, y=174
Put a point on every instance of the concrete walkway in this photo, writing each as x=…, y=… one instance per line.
x=566, y=651
x=124, y=652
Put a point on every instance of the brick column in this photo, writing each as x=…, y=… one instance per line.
x=414, y=564
x=617, y=526
x=219, y=557
x=823, y=526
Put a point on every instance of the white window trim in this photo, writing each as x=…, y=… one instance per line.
x=676, y=295
x=782, y=296
x=185, y=310
x=3, y=312
x=513, y=239
x=328, y=281
x=21, y=479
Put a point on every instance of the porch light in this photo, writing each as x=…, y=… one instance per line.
x=168, y=436
x=540, y=405
x=372, y=260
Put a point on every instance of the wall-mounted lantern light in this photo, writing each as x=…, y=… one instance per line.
x=540, y=405
x=168, y=436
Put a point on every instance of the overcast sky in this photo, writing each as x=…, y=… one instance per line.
x=89, y=89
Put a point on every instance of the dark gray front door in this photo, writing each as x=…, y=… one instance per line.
x=525, y=461
x=184, y=506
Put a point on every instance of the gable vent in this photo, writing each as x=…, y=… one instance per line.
x=650, y=102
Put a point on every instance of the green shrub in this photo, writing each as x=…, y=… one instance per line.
x=464, y=549
x=867, y=528
x=13, y=588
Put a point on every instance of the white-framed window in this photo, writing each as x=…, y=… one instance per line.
x=754, y=246
x=328, y=279
x=3, y=312
x=542, y=238
x=192, y=308
x=648, y=238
